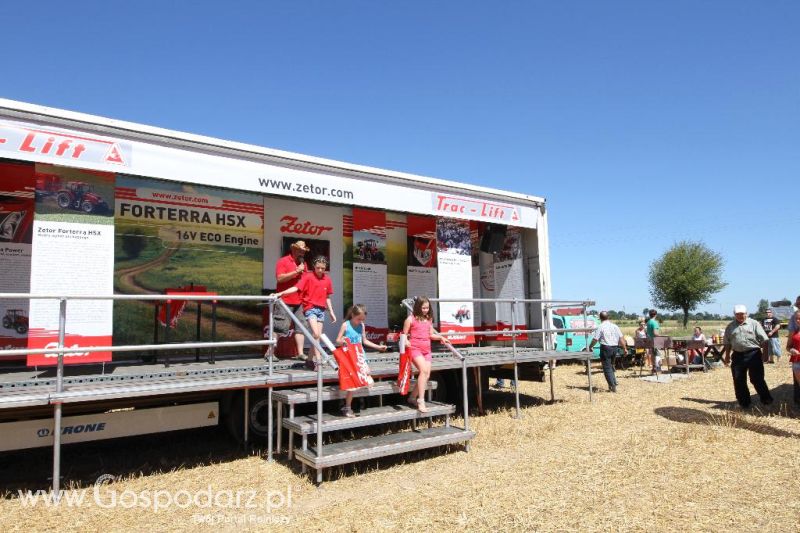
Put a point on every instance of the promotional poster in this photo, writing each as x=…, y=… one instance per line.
x=17, y=207
x=509, y=282
x=73, y=253
x=454, y=249
x=179, y=238
x=370, y=270
x=421, y=277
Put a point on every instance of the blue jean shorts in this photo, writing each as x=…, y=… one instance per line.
x=317, y=313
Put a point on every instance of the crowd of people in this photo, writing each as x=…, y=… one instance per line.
x=747, y=345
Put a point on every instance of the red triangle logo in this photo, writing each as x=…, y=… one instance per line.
x=514, y=216
x=114, y=155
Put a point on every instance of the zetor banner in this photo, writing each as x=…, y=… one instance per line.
x=73, y=253
x=455, y=277
x=421, y=273
x=16, y=228
x=369, y=270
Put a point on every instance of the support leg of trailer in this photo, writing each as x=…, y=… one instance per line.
x=270, y=427
x=516, y=389
x=552, y=385
x=279, y=427
x=246, y=419
x=57, y=452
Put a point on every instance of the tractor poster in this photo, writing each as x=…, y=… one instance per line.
x=370, y=286
x=16, y=231
x=72, y=251
x=185, y=238
x=421, y=259
x=509, y=283
x=454, y=249
x=396, y=251
x=321, y=228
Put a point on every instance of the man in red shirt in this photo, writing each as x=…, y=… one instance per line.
x=288, y=271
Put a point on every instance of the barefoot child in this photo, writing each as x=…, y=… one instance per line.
x=353, y=330
x=315, y=292
x=418, y=329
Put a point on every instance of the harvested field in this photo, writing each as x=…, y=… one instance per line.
x=658, y=457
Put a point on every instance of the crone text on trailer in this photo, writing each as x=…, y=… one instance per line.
x=64, y=147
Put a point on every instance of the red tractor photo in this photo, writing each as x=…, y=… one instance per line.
x=462, y=314
x=17, y=320
x=79, y=195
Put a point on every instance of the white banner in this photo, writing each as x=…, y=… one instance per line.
x=76, y=259
x=509, y=281
x=74, y=148
x=84, y=428
x=455, y=277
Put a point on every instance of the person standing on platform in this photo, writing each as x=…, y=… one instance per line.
x=288, y=271
x=610, y=338
x=772, y=327
x=745, y=337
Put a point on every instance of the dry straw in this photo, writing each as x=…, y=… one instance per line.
x=653, y=457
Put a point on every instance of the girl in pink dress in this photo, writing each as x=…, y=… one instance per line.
x=418, y=329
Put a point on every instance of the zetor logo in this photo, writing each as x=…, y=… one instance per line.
x=291, y=225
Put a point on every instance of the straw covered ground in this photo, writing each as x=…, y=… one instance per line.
x=656, y=457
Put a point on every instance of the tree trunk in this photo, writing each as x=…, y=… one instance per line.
x=685, y=317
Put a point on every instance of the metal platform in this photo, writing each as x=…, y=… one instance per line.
x=384, y=445
x=333, y=392
x=24, y=387
x=385, y=414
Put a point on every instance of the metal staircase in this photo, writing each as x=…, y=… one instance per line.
x=362, y=449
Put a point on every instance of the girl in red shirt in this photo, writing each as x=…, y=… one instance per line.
x=419, y=332
x=793, y=347
x=315, y=290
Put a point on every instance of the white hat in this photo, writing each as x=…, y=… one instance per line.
x=739, y=309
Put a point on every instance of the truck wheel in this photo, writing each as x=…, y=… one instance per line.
x=258, y=416
x=64, y=200
x=87, y=207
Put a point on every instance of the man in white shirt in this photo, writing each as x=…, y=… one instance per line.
x=610, y=338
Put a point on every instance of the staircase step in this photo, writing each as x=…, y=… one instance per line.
x=333, y=392
x=384, y=445
x=368, y=417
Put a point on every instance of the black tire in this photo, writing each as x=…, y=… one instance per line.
x=6, y=322
x=64, y=200
x=87, y=207
x=21, y=328
x=258, y=413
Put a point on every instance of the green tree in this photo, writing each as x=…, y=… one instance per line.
x=763, y=305
x=687, y=275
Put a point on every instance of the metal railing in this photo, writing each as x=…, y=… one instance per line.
x=547, y=333
x=61, y=350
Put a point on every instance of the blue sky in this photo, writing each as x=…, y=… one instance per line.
x=642, y=122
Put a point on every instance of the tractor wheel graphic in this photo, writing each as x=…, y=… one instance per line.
x=64, y=200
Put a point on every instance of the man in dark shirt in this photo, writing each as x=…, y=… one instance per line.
x=772, y=327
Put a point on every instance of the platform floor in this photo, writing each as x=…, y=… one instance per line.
x=24, y=387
